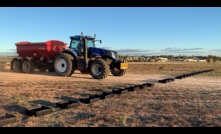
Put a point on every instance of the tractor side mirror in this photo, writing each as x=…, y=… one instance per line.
x=100, y=41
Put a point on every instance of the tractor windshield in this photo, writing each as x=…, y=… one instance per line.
x=90, y=43
x=75, y=43
x=78, y=45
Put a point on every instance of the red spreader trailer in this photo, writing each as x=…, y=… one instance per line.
x=36, y=55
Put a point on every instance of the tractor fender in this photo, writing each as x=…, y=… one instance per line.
x=71, y=52
x=108, y=57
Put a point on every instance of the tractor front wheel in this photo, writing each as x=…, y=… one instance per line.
x=99, y=69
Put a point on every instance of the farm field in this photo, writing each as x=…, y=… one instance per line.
x=193, y=102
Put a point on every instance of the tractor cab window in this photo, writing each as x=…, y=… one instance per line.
x=90, y=43
x=76, y=43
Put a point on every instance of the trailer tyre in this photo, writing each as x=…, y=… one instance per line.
x=64, y=65
x=16, y=65
x=27, y=66
x=99, y=69
x=118, y=72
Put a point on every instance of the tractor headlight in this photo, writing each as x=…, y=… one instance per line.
x=117, y=57
x=113, y=55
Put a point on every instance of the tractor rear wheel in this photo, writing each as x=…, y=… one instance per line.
x=99, y=69
x=16, y=65
x=64, y=65
x=27, y=66
x=118, y=72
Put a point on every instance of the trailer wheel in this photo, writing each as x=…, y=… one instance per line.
x=27, y=66
x=99, y=69
x=16, y=65
x=64, y=65
x=118, y=72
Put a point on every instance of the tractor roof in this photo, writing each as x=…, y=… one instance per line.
x=81, y=36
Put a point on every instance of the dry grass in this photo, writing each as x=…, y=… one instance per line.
x=155, y=107
x=190, y=102
x=173, y=68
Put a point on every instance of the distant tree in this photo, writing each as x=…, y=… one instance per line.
x=204, y=57
x=182, y=56
x=208, y=59
x=170, y=57
x=192, y=57
x=218, y=58
x=214, y=59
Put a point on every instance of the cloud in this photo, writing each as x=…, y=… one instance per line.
x=11, y=50
x=177, y=50
x=137, y=52
x=182, y=50
x=166, y=51
x=106, y=48
x=216, y=50
x=8, y=50
x=131, y=50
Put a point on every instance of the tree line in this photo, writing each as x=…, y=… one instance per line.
x=209, y=58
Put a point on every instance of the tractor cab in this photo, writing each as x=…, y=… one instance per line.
x=81, y=44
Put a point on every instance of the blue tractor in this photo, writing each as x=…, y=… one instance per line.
x=82, y=55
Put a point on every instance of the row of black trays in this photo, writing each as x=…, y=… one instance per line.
x=132, y=88
x=192, y=74
x=68, y=104
x=90, y=99
x=44, y=110
x=166, y=80
x=6, y=119
x=38, y=111
x=96, y=97
x=108, y=94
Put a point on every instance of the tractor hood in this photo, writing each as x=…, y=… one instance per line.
x=103, y=52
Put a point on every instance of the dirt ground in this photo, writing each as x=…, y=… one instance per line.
x=193, y=102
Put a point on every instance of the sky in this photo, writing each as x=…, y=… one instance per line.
x=128, y=30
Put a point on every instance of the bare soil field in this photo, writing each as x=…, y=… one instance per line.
x=191, y=102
